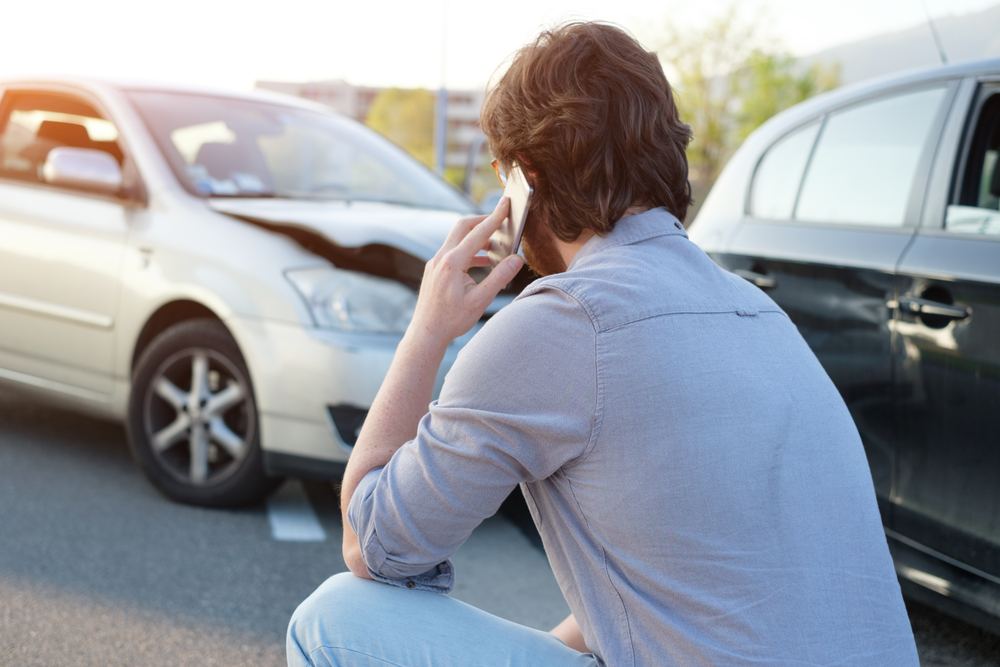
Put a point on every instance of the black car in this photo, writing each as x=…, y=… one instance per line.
x=871, y=215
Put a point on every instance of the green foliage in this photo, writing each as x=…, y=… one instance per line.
x=406, y=117
x=770, y=83
x=702, y=66
x=727, y=80
x=455, y=176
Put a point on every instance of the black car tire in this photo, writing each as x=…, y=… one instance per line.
x=192, y=418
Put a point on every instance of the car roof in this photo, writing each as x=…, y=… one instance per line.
x=807, y=110
x=917, y=76
x=128, y=85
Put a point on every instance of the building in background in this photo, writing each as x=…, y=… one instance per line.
x=355, y=101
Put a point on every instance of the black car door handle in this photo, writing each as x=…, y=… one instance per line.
x=758, y=279
x=928, y=307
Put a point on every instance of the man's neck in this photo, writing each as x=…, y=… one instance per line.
x=569, y=250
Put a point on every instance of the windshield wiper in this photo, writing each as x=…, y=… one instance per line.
x=248, y=195
x=312, y=196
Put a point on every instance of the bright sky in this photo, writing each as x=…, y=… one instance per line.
x=386, y=42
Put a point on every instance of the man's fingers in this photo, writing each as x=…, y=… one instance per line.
x=479, y=235
x=481, y=260
x=500, y=276
x=461, y=230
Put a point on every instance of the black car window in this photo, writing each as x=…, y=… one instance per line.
x=864, y=164
x=34, y=124
x=978, y=208
x=776, y=181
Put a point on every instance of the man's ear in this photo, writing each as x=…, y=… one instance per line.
x=531, y=175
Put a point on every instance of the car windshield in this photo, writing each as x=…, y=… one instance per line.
x=227, y=147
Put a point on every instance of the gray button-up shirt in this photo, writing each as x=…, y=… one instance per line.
x=698, y=483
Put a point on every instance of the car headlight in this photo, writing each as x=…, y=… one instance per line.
x=351, y=301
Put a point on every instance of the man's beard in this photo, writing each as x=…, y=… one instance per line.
x=539, y=247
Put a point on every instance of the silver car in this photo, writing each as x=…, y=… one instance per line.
x=228, y=274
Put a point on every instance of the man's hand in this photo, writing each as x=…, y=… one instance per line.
x=570, y=634
x=450, y=303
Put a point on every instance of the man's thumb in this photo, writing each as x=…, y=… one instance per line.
x=504, y=272
x=510, y=266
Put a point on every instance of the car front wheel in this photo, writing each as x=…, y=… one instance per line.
x=193, y=420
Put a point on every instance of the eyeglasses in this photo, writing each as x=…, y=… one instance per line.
x=501, y=174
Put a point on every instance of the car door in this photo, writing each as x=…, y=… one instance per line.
x=947, y=497
x=60, y=249
x=831, y=208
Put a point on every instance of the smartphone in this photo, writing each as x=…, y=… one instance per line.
x=506, y=240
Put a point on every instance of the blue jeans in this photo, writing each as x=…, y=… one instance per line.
x=351, y=621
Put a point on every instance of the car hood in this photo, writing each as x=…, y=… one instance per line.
x=351, y=224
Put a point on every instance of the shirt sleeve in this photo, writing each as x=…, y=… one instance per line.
x=518, y=404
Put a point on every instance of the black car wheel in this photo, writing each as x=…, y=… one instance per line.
x=193, y=420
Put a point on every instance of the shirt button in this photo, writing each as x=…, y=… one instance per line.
x=677, y=225
x=410, y=584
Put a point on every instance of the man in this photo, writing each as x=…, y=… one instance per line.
x=698, y=483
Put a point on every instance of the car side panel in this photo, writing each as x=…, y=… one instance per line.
x=298, y=373
x=60, y=264
x=944, y=536
x=836, y=284
x=937, y=484
x=230, y=267
x=948, y=491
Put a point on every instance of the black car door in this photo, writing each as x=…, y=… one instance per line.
x=832, y=206
x=947, y=497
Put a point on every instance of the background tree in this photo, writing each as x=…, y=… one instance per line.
x=701, y=65
x=769, y=83
x=406, y=117
x=728, y=79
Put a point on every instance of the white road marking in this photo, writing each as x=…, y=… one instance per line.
x=291, y=516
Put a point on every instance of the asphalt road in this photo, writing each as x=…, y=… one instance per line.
x=96, y=568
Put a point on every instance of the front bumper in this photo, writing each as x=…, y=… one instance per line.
x=299, y=373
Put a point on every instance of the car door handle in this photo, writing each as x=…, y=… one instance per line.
x=928, y=307
x=758, y=279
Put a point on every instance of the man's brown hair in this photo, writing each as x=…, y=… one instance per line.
x=590, y=114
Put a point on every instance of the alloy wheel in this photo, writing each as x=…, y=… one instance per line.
x=198, y=415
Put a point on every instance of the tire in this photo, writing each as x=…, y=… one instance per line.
x=200, y=451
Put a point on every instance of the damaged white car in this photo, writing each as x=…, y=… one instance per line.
x=227, y=274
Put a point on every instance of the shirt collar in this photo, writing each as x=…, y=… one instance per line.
x=632, y=229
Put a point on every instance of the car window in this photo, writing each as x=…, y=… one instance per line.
x=34, y=124
x=978, y=208
x=776, y=182
x=227, y=147
x=863, y=167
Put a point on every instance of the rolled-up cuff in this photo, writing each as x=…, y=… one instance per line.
x=438, y=579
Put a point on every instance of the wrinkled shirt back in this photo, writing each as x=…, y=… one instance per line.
x=698, y=483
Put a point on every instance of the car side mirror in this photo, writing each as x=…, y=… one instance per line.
x=83, y=169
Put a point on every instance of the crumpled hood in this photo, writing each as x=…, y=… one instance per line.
x=419, y=232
